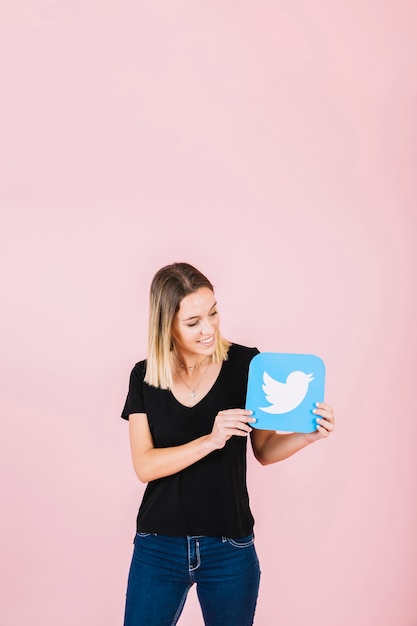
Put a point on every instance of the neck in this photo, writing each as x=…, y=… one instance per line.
x=188, y=365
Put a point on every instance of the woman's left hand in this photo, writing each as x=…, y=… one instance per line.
x=270, y=447
x=325, y=422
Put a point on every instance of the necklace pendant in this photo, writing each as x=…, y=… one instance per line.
x=193, y=393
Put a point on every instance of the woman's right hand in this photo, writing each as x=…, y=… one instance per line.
x=228, y=423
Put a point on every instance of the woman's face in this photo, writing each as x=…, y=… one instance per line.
x=196, y=325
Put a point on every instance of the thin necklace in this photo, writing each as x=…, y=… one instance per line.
x=193, y=390
x=190, y=367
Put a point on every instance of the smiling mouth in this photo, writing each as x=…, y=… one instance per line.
x=207, y=341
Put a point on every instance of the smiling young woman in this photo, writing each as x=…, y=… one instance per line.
x=188, y=435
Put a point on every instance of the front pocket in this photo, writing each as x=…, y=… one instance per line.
x=244, y=542
x=143, y=536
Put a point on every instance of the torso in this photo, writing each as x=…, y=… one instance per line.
x=209, y=497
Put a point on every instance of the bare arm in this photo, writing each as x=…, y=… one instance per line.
x=271, y=447
x=151, y=463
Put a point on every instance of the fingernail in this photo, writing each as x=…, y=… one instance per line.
x=317, y=403
x=314, y=411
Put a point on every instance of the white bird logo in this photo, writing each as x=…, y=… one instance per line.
x=285, y=397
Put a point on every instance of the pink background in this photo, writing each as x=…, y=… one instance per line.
x=272, y=144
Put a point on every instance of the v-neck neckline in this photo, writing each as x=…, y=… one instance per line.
x=184, y=406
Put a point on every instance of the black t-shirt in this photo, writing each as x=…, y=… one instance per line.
x=209, y=497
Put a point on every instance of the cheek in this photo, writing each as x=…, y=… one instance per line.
x=177, y=335
x=186, y=334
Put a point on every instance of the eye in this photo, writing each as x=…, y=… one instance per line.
x=192, y=324
x=213, y=314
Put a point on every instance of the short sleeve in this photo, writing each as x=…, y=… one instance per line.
x=134, y=401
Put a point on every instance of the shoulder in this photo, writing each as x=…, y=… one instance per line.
x=138, y=371
x=238, y=353
x=134, y=401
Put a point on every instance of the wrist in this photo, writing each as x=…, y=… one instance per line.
x=310, y=437
x=208, y=443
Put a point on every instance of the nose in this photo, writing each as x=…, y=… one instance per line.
x=206, y=328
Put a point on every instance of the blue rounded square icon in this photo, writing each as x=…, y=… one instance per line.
x=283, y=389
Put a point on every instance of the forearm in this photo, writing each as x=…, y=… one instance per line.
x=160, y=462
x=151, y=463
x=270, y=447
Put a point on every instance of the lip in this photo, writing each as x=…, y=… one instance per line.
x=208, y=341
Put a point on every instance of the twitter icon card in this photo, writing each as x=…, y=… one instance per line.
x=283, y=389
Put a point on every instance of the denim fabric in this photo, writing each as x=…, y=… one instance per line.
x=225, y=570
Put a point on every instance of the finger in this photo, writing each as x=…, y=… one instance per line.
x=235, y=412
x=323, y=430
x=231, y=424
x=322, y=406
x=325, y=411
x=239, y=425
x=325, y=425
x=240, y=433
x=329, y=417
x=236, y=417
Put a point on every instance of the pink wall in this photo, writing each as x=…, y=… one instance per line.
x=272, y=144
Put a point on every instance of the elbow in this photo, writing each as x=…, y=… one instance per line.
x=264, y=462
x=266, y=456
x=267, y=461
x=141, y=474
x=146, y=473
x=142, y=478
x=261, y=458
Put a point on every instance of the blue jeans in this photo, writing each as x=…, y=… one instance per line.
x=226, y=572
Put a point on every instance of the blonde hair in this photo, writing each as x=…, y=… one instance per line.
x=169, y=286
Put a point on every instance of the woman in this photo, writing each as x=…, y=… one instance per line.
x=188, y=435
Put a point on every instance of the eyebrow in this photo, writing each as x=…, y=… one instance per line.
x=194, y=317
